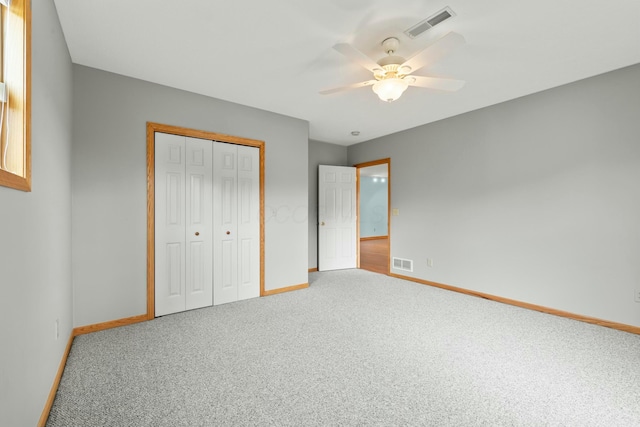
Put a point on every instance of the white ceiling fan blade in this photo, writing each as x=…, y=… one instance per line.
x=356, y=56
x=343, y=88
x=437, y=83
x=434, y=52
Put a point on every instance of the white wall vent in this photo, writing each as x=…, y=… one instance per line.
x=430, y=22
x=402, y=264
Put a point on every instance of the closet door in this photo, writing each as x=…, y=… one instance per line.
x=183, y=224
x=169, y=223
x=199, y=224
x=225, y=223
x=248, y=222
x=236, y=224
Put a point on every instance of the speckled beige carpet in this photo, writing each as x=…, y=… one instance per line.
x=356, y=348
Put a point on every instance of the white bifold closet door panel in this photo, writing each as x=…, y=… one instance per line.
x=183, y=223
x=236, y=222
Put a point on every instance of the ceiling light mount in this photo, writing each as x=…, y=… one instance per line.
x=390, y=45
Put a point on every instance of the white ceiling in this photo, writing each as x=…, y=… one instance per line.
x=277, y=55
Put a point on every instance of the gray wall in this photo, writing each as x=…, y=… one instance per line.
x=320, y=153
x=110, y=186
x=535, y=199
x=35, y=242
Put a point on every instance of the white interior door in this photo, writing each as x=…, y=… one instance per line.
x=248, y=222
x=336, y=218
x=169, y=223
x=183, y=224
x=199, y=224
x=236, y=217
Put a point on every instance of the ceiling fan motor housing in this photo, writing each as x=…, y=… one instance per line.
x=392, y=70
x=391, y=63
x=391, y=60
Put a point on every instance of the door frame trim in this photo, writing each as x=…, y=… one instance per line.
x=152, y=128
x=358, y=166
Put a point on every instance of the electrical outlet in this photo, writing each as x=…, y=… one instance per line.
x=57, y=328
x=429, y=262
x=637, y=295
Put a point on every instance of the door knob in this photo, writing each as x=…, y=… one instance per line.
x=322, y=223
x=228, y=232
x=197, y=233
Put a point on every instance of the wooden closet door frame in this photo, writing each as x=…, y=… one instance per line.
x=152, y=128
x=387, y=162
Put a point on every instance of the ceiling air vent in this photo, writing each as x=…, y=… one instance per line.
x=430, y=22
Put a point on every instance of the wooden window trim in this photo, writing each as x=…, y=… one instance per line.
x=19, y=93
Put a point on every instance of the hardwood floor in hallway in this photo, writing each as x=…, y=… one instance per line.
x=374, y=254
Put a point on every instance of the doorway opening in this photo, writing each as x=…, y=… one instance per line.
x=373, y=212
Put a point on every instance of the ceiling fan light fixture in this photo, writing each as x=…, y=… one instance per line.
x=390, y=89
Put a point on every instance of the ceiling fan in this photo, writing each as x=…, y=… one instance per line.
x=392, y=74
